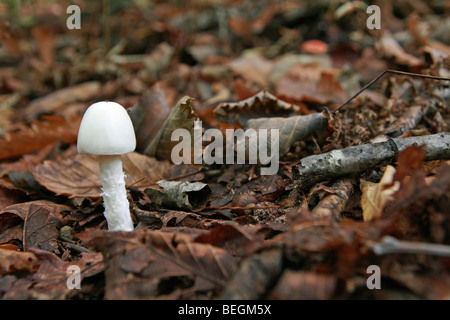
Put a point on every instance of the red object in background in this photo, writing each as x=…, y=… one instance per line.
x=314, y=47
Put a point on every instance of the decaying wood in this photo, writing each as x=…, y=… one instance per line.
x=332, y=205
x=357, y=159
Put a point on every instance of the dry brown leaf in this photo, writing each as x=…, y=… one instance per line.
x=153, y=256
x=9, y=40
x=11, y=261
x=253, y=68
x=246, y=28
x=182, y=195
x=40, y=133
x=158, y=60
x=291, y=129
x=180, y=117
x=408, y=160
x=262, y=104
x=55, y=100
x=302, y=285
x=46, y=44
x=241, y=89
x=79, y=176
x=311, y=83
x=49, y=281
x=376, y=195
x=41, y=220
x=150, y=113
x=389, y=48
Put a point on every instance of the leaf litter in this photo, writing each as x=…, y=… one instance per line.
x=376, y=169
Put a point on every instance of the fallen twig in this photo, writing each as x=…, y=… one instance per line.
x=357, y=159
x=390, y=244
x=332, y=205
x=426, y=76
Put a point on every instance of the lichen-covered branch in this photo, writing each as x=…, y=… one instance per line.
x=358, y=159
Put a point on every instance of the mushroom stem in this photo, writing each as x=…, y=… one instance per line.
x=117, y=210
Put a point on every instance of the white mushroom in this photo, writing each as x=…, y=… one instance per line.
x=106, y=130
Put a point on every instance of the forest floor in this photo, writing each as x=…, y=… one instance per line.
x=359, y=205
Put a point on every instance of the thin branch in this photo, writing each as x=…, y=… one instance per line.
x=382, y=74
x=390, y=244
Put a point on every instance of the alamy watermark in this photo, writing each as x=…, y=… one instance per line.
x=374, y=281
x=74, y=20
x=374, y=21
x=74, y=277
x=250, y=146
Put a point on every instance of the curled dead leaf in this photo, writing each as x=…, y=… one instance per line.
x=376, y=195
x=291, y=129
x=11, y=261
x=181, y=117
x=262, y=104
x=389, y=47
x=180, y=195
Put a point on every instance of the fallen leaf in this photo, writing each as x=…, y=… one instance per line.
x=40, y=133
x=150, y=113
x=375, y=195
x=9, y=40
x=41, y=220
x=49, y=278
x=9, y=196
x=256, y=274
x=12, y=261
x=246, y=28
x=311, y=83
x=79, y=176
x=262, y=104
x=180, y=117
x=153, y=258
x=304, y=285
x=180, y=195
x=291, y=129
x=241, y=90
x=389, y=48
x=253, y=68
x=55, y=100
x=46, y=44
x=232, y=236
x=158, y=60
x=408, y=160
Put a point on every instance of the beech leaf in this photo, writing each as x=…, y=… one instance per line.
x=376, y=195
x=262, y=104
x=153, y=256
x=291, y=129
x=79, y=176
x=37, y=135
x=181, y=117
x=180, y=194
x=41, y=221
x=11, y=260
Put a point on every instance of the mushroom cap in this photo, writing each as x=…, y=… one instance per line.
x=106, y=129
